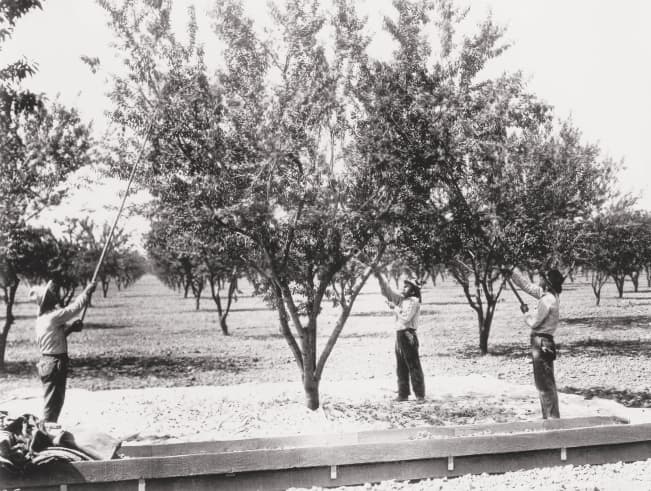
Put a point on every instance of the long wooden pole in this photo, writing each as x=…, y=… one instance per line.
x=117, y=216
x=508, y=280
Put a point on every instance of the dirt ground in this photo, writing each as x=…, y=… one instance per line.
x=149, y=336
x=150, y=368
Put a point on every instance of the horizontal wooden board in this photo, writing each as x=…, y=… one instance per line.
x=325, y=456
x=350, y=438
x=375, y=472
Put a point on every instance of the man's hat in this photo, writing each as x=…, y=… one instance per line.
x=44, y=296
x=554, y=279
x=412, y=282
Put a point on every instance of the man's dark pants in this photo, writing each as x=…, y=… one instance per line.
x=543, y=351
x=53, y=370
x=408, y=364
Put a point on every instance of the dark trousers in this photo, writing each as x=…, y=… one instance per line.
x=53, y=370
x=408, y=364
x=543, y=351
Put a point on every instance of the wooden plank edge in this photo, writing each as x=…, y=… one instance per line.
x=259, y=460
x=356, y=474
x=373, y=436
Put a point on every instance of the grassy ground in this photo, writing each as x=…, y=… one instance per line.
x=149, y=336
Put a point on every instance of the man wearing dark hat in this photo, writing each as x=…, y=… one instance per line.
x=51, y=336
x=406, y=309
x=543, y=322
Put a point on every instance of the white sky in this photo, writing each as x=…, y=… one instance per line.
x=590, y=59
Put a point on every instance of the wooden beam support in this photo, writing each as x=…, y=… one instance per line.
x=375, y=436
x=353, y=463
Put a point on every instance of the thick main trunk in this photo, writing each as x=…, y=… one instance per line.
x=222, y=324
x=10, y=299
x=485, y=321
x=186, y=289
x=310, y=378
x=597, y=281
x=311, y=387
x=3, y=344
x=483, y=340
x=635, y=278
x=222, y=312
x=619, y=283
x=597, y=294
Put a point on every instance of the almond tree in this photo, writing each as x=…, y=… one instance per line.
x=40, y=145
x=492, y=178
x=617, y=246
x=260, y=155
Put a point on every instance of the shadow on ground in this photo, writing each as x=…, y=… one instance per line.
x=377, y=313
x=471, y=351
x=93, y=325
x=596, y=348
x=620, y=322
x=461, y=302
x=593, y=348
x=172, y=367
x=19, y=369
x=257, y=337
x=626, y=397
x=159, y=366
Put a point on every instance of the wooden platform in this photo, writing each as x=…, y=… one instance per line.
x=351, y=458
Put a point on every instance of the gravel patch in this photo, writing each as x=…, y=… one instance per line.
x=157, y=415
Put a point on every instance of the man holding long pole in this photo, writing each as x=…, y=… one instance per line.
x=543, y=322
x=51, y=335
x=51, y=330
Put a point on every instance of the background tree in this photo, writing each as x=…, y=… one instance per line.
x=40, y=145
x=91, y=238
x=616, y=246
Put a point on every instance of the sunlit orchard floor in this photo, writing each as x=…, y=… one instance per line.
x=141, y=342
x=150, y=336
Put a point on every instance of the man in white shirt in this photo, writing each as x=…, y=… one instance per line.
x=51, y=336
x=406, y=310
x=543, y=322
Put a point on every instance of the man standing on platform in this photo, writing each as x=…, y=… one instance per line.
x=406, y=309
x=543, y=322
x=51, y=336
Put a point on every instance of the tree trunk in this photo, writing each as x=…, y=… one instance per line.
x=222, y=324
x=597, y=281
x=222, y=312
x=105, y=286
x=635, y=278
x=483, y=339
x=186, y=289
x=10, y=298
x=310, y=380
x=648, y=276
x=3, y=344
x=483, y=332
x=311, y=386
x=619, y=283
x=485, y=322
